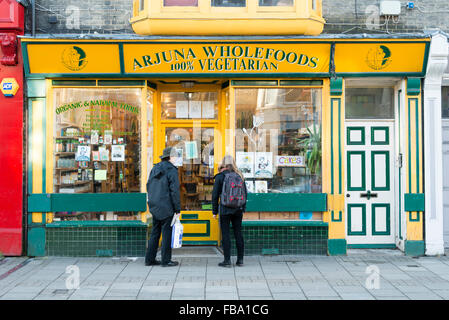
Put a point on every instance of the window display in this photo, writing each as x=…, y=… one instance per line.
x=278, y=139
x=96, y=140
x=189, y=105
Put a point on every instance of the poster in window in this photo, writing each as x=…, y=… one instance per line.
x=104, y=153
x=208, y=111
x=82, y=153
x=249, y=186
x=95, y=155
x=178, y=158
x=290, y=161
x=261, y=186
x=245, y=163
x=263, y=167
x=211, y=161
x=108, y=137
x=118, y=153
x=94, y=137
x=191, y=150
x=100, y=175
x=194, y=109
x=182, y=109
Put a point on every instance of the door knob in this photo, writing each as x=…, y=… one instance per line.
x=348, y=195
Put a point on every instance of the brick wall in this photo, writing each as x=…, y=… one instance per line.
x=82, y=16
x=351, y=16
x=342, y=16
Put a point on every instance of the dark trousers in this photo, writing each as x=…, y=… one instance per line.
x=158, y=227
x=236, y=220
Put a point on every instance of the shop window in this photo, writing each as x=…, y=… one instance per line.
x=278, y=139
x=181, y=3
x=189, y=105
x=369, y=103
x=275, y=3
x=445, y=102
x=96, y=142
x=228, y=3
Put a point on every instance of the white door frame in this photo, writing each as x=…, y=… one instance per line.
x=400, y=161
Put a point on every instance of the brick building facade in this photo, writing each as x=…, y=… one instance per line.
x=349, y=16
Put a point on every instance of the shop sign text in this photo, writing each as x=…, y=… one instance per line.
x=236, y=58
x=93, y=103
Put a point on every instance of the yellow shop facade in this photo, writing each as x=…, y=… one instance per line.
x=327, y=130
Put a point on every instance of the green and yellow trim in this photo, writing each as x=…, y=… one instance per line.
x=333, y=163
x=414, y=168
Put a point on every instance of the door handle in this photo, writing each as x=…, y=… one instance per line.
x=368, y=195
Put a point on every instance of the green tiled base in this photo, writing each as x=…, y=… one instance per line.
x=414, y=248
x=337, y=247
x=36, y=241
x=283, y=240
x=96, y=241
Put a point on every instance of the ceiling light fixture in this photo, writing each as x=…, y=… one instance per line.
x=187, y=84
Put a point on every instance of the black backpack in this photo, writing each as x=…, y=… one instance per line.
x=233, y=194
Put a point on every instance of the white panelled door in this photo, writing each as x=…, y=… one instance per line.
x=370, y=182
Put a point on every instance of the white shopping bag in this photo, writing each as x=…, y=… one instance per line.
x=176, y=235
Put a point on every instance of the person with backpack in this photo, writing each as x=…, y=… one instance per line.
x=229, y=202
x=163, y=202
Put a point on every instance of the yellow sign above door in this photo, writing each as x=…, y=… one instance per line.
x=380, y=57
x=226, y=58
x=73, y=58
x=195, y=58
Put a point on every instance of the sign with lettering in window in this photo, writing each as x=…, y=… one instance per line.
x=222, y=57
x=290, y=161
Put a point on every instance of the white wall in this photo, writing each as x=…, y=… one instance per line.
x=433, y=139
x=446, y=180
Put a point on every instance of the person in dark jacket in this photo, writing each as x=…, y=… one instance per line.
x=163, y=202
x=228, y=215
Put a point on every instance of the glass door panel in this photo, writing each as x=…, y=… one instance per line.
x=195, y=149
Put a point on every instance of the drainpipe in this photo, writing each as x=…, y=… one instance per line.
x=33, y=18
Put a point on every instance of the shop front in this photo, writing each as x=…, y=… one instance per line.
x=327, y=132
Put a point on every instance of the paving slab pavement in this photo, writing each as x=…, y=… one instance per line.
x=363, y=274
